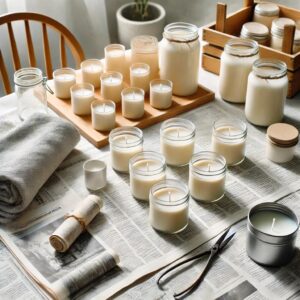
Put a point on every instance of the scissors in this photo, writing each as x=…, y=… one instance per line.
x=212, y=255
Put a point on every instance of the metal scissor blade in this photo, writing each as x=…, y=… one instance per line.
x=227, y=240
x=222, y=237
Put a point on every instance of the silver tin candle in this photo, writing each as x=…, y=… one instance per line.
x=272, y=231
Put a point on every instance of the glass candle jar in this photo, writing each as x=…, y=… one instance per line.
x=257, y=32
x=266, y=93
x=63, y=80
x=111, y=86
x=229, y=140
x=179, y=54
x=144, y=49
x=124, y=142
x=103, y=115
x=140, y=76
x=133, y=103
x=91, y=70
x=281, y=142
x=277, y=31
x=161, y=93
x=82, y=96
x=30, y=89
x=272, y=232
x=265, y=13
x=115, y=60
x=169, y=206
x=177, y=141
x=236, y=63
x=207, y=176
x=146, y=169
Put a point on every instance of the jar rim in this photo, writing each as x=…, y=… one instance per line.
x=241, y=47
x=150, y=155
x=234, y=123
x=141, y=65
x=90, y=60
x=35, y=77
x=248, y=32
x=132, y=90
x=114, y=74
x=206, y=156
x=277, y=28
x=170, y=183
x=178, y=122
x=114, y=46
x=128, y=130
x=106, y=102
x=181, y=32
x=260, y=68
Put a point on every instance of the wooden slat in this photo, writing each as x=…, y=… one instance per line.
x=47, y=53
x=31, y=54
x=288, y=39
x=4, y=75
x=248, y=3
x=14, y=49
x=62, y=48
x=221, y=17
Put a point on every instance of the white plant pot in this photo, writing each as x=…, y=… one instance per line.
x=127, y=29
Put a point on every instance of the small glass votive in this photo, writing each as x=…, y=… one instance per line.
x=91, y=70
x=115, y=58
x=207, y=176
x=133, y=100
x=63, y=80
x=124, y=142
x=177, y=141
x=82, y=96
x=272, y=232
x=111, y=86
x=94, y=174
x=146, y=169
x=169, y=206
x=140, y=76
x=161, y=93
x=281, y=142
x=103, y=115
x=229, y=140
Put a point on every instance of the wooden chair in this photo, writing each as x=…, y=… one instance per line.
x=66, y=37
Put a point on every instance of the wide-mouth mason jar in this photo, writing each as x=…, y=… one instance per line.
x=30, y=88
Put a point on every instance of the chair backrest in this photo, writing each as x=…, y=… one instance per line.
x=66, y=38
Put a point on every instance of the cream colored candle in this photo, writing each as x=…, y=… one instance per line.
x=82, y=96
x=277, y=31
x=229, y=140
x=256, y=31
x=111, y=86
x=140, y=76
x=103, y=115
x=91, y=70
x=133, y=103
x=177, y=140
x=146, y=169
x=161, y=93
x=207, y=176
x=169, y=206
x=124, y=142
x=63, y=80
x=115, y=60
x=265, y=13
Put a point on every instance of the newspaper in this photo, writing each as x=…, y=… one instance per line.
x=123, y=226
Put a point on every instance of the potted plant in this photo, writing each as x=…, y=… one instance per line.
x=140, y=17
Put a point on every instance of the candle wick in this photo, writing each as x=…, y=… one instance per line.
x=104, y=107
x=125, y=137
x=273, y=224
x=178, y=132
x=208, y=167
x=169, y=194
x=229, y=132
x=147, y=165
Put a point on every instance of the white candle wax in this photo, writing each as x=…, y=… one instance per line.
x=160, y=96
x=115, y=60
x=273, y=223
x=176, y=151
x=207, y=188
x=91, y=73
x=168, y=217
x=81, y=100
x=232, y=149
x=140, y=185
x=62, y=84
x=103, y=116
x=111, y=88
x=133, y=105
x=121, y=155
x=140, y=77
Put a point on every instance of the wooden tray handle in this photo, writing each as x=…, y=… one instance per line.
x=221, y=17
x=248, y=3
x=288, y=39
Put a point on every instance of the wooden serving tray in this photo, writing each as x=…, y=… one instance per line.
x=151, y=116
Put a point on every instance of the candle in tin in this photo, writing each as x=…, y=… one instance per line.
x=272, y=231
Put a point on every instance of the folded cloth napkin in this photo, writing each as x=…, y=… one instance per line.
x=29, y=154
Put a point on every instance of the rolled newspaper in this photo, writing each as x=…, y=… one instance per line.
x=75, y=223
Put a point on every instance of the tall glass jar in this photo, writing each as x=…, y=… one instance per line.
x=179, y=54
x=267, y=90
x=30, y=88
x=265, y=13
x=236, y=63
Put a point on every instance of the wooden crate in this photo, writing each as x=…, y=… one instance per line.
x=227, y=27
x=151, y=116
